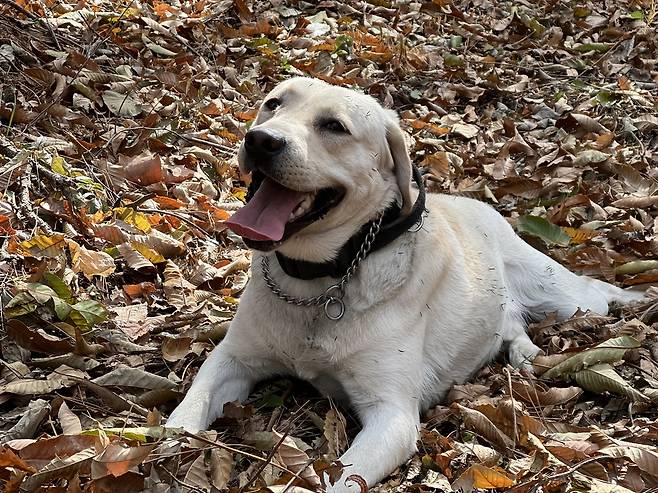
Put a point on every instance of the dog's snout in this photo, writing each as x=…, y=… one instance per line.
x=264, y=143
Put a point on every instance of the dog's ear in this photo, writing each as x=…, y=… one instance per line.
x=401, y=162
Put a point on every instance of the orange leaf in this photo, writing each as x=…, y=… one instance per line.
x=579, y=235
x=246, y=116
x=168, y=202
x=435, y=129
x=161, y=9
x=228, y=135
x=479, y=476
x=5, y=225
x=217, y=213
x=10, y=459
x=138, y=290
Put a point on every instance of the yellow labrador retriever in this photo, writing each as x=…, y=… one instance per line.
x=363, y=286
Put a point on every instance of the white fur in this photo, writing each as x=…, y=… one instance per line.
x=422, y=314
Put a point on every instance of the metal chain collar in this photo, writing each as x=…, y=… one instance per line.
x=332, y=298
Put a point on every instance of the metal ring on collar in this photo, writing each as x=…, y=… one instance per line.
x=334, y=302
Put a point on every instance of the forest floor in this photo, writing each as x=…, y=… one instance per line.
x=120, y=124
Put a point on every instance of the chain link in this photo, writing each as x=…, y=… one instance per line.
x=333, y=295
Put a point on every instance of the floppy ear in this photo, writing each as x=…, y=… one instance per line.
x=401, y=161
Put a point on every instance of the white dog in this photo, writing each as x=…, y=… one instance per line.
x=362, y=287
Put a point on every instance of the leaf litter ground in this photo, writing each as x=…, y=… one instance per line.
x=120, y=123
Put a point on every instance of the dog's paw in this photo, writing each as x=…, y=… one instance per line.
x=346, y=483
x=521, y=352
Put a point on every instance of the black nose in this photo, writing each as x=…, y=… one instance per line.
x=264, y=143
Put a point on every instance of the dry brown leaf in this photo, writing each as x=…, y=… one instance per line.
x=645, y=459
x=222, y=464
x=636, y=202
x=296, y=460
x=90, y=262
x=36, y=340
x=69, y=422
x=535, y=393
x=59, y=467
x=174, y=349
x=583, y=123
x=144, y=169
x=334, y=432
x=197, y=474
x=176, y=288
x=9, y=459
x=124, y=376
x=135, y=259
x=117, y=459
x=482, y=425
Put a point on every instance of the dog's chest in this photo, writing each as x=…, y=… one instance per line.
x=306, y=342
x=315, y=357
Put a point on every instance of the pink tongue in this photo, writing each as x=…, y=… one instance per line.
x=265, y=215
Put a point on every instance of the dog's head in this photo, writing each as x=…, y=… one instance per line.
x=324, y=161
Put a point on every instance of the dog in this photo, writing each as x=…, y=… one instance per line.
x=377, y=294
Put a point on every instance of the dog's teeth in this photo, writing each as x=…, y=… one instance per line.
x=303, y=207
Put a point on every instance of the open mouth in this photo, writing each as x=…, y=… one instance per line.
x=274, y=213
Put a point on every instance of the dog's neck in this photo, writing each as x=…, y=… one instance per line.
x=393, y=225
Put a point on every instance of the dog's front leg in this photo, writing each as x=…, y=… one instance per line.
x=221, y=379
x=387, y=439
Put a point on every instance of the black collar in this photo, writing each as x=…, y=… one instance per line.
x=393, y=226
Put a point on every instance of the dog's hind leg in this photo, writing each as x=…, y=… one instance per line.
x=540, y=285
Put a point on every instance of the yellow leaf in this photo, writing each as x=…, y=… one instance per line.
x=131, y=216
x=58, y=165
x=147, y=252
x=43, y=246
x=97, y=217
x=240, y=194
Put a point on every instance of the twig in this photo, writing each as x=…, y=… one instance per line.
x=7, y=147
x=271, y=453
x=176, y=215
x=276, y=414
x=183, y=483
x=509, y=382
x=566, y=473
x=268, y=460
x=24, y=203
x=115, y=401
x=237, y=451
x=50, y=28
x=136, y=203
x=20, y=9
x=56, y=178
x=33, y=17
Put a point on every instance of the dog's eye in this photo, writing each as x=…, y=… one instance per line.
x=334, y=126
x=272, y=104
